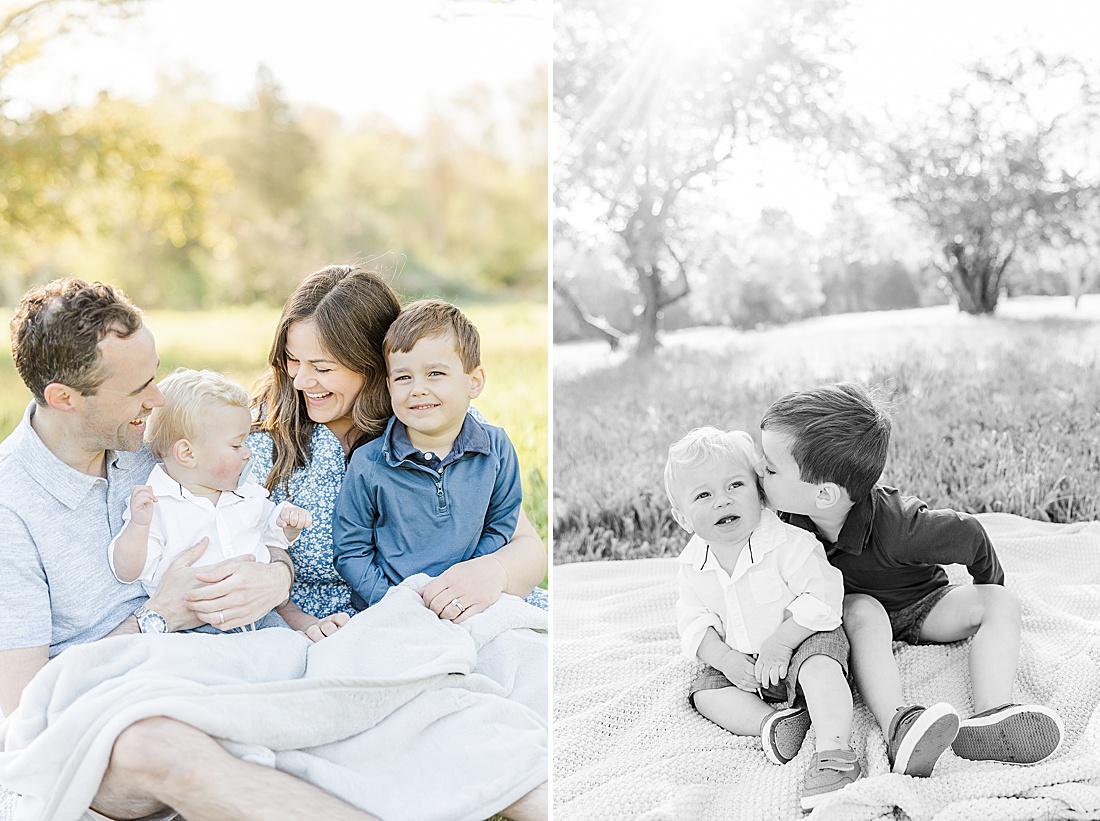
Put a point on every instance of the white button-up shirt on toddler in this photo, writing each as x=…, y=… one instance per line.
x=785, y=572
x=243, y=522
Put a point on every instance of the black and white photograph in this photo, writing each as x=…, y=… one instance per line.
x=826, y=410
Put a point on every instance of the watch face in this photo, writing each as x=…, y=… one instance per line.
x=151, y=622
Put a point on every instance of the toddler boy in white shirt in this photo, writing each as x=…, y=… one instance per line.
x=760, y=605
x=200, y=488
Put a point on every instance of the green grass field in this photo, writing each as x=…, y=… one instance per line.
x=992, y=413
x=236, y=342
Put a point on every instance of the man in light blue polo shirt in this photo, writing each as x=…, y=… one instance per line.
x=91, y=365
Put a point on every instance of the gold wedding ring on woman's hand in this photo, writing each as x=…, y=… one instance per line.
x=458, y=604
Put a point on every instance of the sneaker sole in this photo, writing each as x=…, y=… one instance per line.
x=1019, y=735
x=767, y=732
x=927, y=739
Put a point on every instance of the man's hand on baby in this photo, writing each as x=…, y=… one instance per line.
x=326, y=627
x=738, y=668
x=772, y=661
x=293, y=520
x=141, y=505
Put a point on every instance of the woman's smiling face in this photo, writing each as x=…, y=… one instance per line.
x=329, y=388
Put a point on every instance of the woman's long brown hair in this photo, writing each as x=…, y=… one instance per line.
x=352, y=309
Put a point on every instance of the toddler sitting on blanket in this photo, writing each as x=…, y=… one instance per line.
x=438, y=487
x=825, y=450
x=760, y=605
x=199, y=489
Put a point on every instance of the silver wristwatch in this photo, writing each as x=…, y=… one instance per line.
x=150, y=621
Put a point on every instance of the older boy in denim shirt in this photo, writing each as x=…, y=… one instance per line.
x=824, y=451
x=439, y=486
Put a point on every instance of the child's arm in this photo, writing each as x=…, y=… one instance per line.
x=130, y=548
x=948, y=537
x=505, y=503
x=354, y=550
x=735, y=666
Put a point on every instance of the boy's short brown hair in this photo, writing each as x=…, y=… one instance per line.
x=839, y=433
x=434, y=317
x=57, y=328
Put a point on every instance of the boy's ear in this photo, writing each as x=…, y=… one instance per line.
x=682, y=520
x=828, y=495
x=183, y=452
x=477, y=382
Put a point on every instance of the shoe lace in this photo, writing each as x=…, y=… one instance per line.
x=836, y=762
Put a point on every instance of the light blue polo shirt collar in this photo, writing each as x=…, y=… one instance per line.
x=472, y=438
x=65, y=483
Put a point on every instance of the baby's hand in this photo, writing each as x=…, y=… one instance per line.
x=738, y=668
x=141, y=505
x=772, y=661
x=293, y=520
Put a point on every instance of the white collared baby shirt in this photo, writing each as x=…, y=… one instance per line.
x=785, y=572
x=243, y=522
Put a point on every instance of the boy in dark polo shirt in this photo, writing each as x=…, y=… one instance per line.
x=824, y=452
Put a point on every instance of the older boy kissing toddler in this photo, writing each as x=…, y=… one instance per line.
x=825, y=450
x=760, y=605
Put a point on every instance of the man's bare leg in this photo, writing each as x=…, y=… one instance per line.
x=163, y=762
x=535, y=806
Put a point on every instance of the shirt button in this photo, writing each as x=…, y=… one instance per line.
x=429, y=455
x=441, y=470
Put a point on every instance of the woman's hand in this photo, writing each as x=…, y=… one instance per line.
x=239, y=591
x=465, y=589
x=321, y=628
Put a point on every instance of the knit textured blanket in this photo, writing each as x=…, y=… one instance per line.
x=627, y=744
x=374, y=714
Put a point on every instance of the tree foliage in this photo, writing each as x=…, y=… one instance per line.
x=1001, y=168
x=186, y=202
x=651, y=98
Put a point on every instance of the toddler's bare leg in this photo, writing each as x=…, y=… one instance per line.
x=535, y=806
x=873, y=664
x=735, y=710
x=829, y=700
x=991, y=614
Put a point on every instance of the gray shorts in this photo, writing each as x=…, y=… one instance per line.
x=165, y=815
x=907, y=622
x=832, y=643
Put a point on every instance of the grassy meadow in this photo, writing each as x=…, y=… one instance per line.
x=236, y=342
x=994, y=413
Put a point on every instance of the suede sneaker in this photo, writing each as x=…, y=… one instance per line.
x=782, y=733
x=830, y=771
x=1012, y=733
x=918, y=736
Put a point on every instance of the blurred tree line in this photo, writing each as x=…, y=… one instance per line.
x=994, y=190
x=186, y=202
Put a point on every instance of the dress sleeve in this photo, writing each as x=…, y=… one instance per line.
x=817, y=585
x=692, y=616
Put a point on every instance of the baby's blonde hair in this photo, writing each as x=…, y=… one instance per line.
x=187, y=395
x=702, y=444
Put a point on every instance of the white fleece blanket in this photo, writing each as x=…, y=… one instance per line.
x=627, y=745
x=374, y=714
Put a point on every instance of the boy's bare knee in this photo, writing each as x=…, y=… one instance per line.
x=998, y=601
x=816, y=668
x=862, y=611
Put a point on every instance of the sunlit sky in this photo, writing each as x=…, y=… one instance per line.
x=357, y=57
